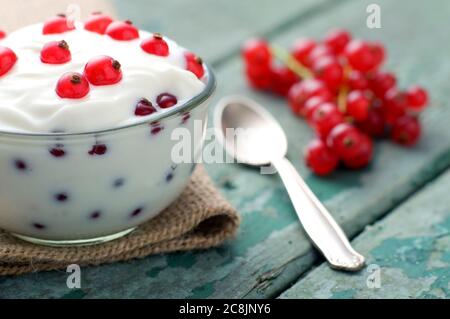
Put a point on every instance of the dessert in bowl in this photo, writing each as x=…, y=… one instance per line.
x=86, y=117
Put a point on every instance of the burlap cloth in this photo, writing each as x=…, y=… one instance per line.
x=200, y=218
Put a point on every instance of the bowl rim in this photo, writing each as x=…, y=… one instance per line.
x=188, y=105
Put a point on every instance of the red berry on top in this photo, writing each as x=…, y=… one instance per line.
x=319, y=158
x=144, y=107
x=325, y=117
x=103, y=70
x=417, y=98
x=122, y=31
x=194, y=64
x=55, y=52
x=256, y=52
x=381, y=82
x=155, y=45
x=302, y=48
x=57, y=24
x=72, y=85
x=357, y=81
x=299, y=93
x=337, y=39
x=359, y=56
x=406, y=130
x=373, y=125
x=358, y=105
x=166, y=100
x=282, y=80
x=7, y=59
x=329, y=70
x=2, y=34
x=98, y=22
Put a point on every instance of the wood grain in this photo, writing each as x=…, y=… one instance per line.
x=408, y=254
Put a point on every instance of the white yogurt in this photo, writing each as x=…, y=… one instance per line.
x=29, y=103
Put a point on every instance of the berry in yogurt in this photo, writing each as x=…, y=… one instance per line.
x=122, y=31
x=155, y=45
x=72, y=85
x=57, y=24
x=103, y=70
x=97, y=22
x=55, y=52
x=7, y=59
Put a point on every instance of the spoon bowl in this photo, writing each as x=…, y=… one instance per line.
x=248, y=132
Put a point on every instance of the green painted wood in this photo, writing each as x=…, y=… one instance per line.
x=216, y=29
x=408, y=254
x=271, y=250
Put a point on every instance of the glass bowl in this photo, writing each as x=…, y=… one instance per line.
x=91, y=187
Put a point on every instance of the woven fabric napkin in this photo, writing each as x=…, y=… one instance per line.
x=200, y=218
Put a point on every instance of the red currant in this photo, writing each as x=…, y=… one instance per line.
x=57, y=24
x=320, y=158
x=144, y=107
x=357, y=81
x=378, y=53
x=155, y=45
x=72, y=86
x=343, y=139
x=311, y=104
x=282, y=80
x=256, y=52
x=56, y=52
x=7, y=59
x=394, y=105
x=381, y=82
x=360, y=56
x=329, y=70
x=417, y=98
x=302, y=48
x=325, y=117
x=361, y=155
x=122, y=31
x=103, y=70
x=337, y=39
x=358, y=105
x=166, y=100
x=318, y=52
x=259, y=76
x=302, y=91
x=98, y=22
x=373, y=125
x=194, y=64
x=406, y=130
x=2, y=34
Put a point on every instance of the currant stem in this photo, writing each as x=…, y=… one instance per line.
x=343, y=91
x=290, y=62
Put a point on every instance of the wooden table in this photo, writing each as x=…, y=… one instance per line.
x=397, y=211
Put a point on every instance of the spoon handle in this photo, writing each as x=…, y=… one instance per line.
x=320, y=226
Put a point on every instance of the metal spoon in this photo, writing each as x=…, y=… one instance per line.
x=259, y=140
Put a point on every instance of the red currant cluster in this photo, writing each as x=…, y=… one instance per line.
x=338, y=87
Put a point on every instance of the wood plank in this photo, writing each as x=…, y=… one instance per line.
x=271, y=250
x=408, y=254
x=216, y=29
